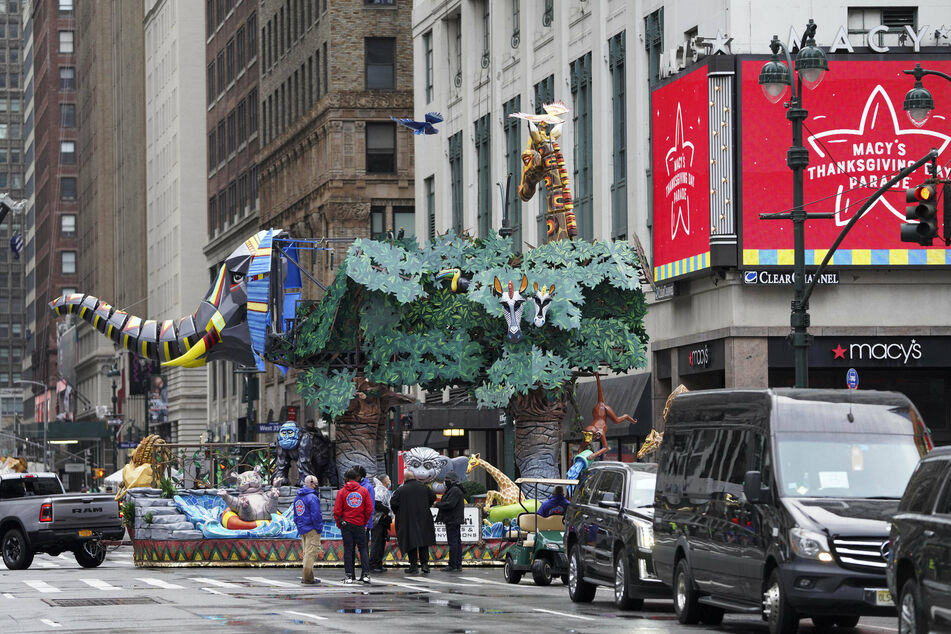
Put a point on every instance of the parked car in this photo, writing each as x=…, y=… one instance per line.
x=919, y=569
x=776, y=501
x=37, y=515
x=609, y=535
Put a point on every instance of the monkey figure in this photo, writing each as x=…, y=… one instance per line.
x=598, y=429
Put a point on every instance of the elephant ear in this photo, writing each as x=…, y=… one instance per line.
x=442, y=461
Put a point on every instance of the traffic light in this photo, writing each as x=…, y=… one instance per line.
x=923, y=208
x=99, y=473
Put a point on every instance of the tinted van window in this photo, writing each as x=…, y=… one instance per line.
x=44, y=486
x=583, y=495
x=609, y=482
x=923, y=483
x=12, y=489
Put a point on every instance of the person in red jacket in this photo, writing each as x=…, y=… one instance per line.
x=352, y=510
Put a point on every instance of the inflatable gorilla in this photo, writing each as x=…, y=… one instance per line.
x=312, y=452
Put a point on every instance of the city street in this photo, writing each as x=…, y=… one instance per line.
x=56, y=594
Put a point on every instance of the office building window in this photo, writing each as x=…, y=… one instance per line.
x=222, y=78
x=239, y=43
x=430, y=187
x=222, y=209
x=486, y=33
x=428, y=46
x=381, y=148
x=654, y=42
x=212, y=213
x=455, y=181
x=616, y=67
x=252, y=112
x=511, y=128
x=242, y=122
x=210, y=17
x=380, y=57
x=252, y=37
x=583, y=181
x=230, y=60
x=65, y=6
x=544, y=93
x=67, y=78
x=67, y=188
x=67, y=225
x=65, y=42
x=67, y=152
x=68, y=262
x=222, y=143
x=212, y=160
x=516, y=19
x=377, y=222
x=548, y=15
x=14, y=80
x=211, y=82
x=484, y=174
x=67, y=115
x=404, y=219
x=232, y=132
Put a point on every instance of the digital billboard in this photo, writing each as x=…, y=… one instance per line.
x=680, y=159
x=858, y=136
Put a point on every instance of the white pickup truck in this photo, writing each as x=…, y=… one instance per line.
x=38, y=516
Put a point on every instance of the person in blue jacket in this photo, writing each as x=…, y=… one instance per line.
x=557, y=504
x=367, y=484
x=310, y=523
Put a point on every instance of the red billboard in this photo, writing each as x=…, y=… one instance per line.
x=858, y=137
x=680, y=137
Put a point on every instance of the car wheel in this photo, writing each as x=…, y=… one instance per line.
x=911, y=620
x=622, y=585
x=579, y=590
x=509, y=572
x=777, y=612
x=685, y=595
x=541, y=572
x=847, y=620
x=564, y=579
x=711, y=615
x=90, y=553
x=16, y=551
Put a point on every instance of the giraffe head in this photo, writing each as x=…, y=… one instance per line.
x=473, y=462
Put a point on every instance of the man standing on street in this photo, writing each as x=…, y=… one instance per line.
x=310, y=523
x=381, y=522
x=452, y=514
x=414, y=521
x=352, y=510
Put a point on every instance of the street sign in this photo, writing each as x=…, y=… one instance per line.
x=115, y=422
x=268, y=428
x=75, y=467
x=128, y=445
x=852, y=378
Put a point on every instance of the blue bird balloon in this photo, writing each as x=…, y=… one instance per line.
x=421, y=127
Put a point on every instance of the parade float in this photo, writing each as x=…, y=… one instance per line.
x=450, y=313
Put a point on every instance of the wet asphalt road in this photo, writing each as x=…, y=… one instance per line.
x=55, y=594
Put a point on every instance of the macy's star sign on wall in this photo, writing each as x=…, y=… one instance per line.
x=679, y=161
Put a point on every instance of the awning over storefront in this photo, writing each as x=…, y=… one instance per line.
x=441, y=417
x=430, y=438
x=629, y=395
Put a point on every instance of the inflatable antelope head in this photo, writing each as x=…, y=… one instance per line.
x=542, y=301
x=512, y=302
x=218, y=330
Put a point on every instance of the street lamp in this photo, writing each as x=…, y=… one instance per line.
x=46, y=419
x=811, y=66
x=918, y=102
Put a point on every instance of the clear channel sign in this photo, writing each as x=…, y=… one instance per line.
x=852, y=379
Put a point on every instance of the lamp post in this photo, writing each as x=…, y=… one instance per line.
x=46, y=419
x=774, y=78
x=918, y=102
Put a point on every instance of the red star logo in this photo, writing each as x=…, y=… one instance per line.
x=838, y=351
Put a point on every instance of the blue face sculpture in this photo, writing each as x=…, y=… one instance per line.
x=288, y=436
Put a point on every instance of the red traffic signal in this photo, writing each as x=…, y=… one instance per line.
x=922, y=214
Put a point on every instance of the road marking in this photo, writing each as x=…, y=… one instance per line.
x=570, y=616
x=213, y=591
x=408, y=585
x=495, y=583
x=158, y=583
x=45, y=564
x=41, y=586
x=272, y=582
x=50, y=623
x=99, y=584
x=215, y=582
x=7, y=595
x=307, y=616
x=64, y=557
x=448, y=583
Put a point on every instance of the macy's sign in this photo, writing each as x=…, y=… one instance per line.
x=879, y=351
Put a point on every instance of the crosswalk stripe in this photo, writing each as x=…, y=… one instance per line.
x=158, y=583
x=272, y=582
x=41, y=586
x=99, y=584
x=215, y=582
x=442, y=582
x=305, y=615
x=410, y=586
x=7, y=595
x=571, y=616
x=478, y=580
x=213, y=591
x=51, y=623
x=45, y=564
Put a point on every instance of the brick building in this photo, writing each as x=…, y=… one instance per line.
x=332, y=163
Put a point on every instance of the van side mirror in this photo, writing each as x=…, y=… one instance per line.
x=754, y=490
x=607, y=501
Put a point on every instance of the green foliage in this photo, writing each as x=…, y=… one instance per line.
x=167, y=487
x=385, y=267
x=519, y=371
x=128, y=514
x=331, y=392
x=471, y=488
x=149, y=518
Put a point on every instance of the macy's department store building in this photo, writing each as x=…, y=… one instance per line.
x=724, y=274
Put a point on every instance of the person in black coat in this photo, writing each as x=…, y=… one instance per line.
x=415, y=531
x=452, y=514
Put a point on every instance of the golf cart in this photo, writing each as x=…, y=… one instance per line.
x=538, y=547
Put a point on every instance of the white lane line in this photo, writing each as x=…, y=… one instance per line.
x=495, y=583
x=99, y=584
x=213, y=591
x=272, y=582
x=50, y=623
x=158, y=583
x=41, y=586
x=215, y=582
x=447, y=583
x=570, y=616
x=64, y=557
x=307, y=616
x=45, y=564
x=7, y=595
x=408, y=585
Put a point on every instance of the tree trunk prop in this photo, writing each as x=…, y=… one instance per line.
x=361, y=430
x=537, y=434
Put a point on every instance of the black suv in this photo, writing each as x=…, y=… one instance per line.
x=609, y=535
x=919, y=569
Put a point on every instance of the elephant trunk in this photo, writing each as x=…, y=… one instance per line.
x=178, y=342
